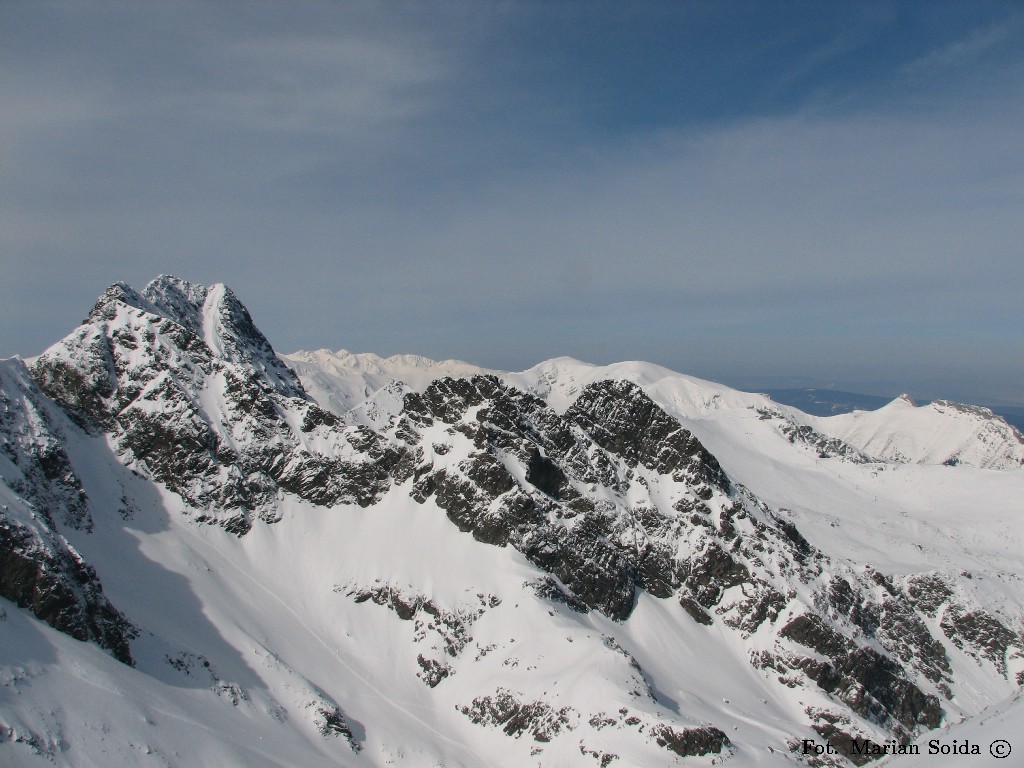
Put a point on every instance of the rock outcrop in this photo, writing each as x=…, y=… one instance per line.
x=39, y=569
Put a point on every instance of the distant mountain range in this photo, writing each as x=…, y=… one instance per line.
x=829, y=402
x=214, y=555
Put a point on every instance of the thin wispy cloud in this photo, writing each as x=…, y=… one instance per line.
x=967, y=50
x=712, y=187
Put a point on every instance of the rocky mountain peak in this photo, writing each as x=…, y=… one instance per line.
x=119, y=293
x=623, y=419
x=194, y=397
x=216, y=316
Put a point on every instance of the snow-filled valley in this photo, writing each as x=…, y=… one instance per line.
x=213, y=555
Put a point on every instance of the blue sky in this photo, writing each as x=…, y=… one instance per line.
x=763, y=194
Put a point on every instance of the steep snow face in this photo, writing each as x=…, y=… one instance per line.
x=941, y=432
x=571, y=566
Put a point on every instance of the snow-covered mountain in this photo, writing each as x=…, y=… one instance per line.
x=208, y=559
x=940, y=432
x=343, y=380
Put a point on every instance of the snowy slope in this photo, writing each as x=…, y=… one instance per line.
x=570, y=566
x=342, y=380
x=940, y=432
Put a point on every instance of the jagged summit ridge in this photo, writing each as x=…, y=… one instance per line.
x=213, y=314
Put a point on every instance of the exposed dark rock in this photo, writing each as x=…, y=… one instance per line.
x=690, y=742
x=548, y=589
x=841, y=595
x=711, y=573
x=981, y=635
x=874, y=687
x=433, y=671
x=928, y=592
x=331, y=722
x=81, y=392
x=136, y=370
x=869, y=683
x=47, y=577
x=761, y=603
x=445, y=630
x=597, y=573
x=488, y=474
x=791, y=532
x=603, y=758
x=39, y=570
x=35, y=445
x=812, y=632
x=482, y=496
x=892, y=620
x=517, y=717
x=470, y=508
x=328, y=482
x=903, y=633
x=622, y=419
x=405, y=606
x=695, y=610
x=655, y=571
x=544, y=475
x=825, y=447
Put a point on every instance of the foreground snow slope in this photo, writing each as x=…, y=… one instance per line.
x=261, y=642
x=570, y=566
x=1000, y=724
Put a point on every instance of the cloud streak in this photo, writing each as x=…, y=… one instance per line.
x=438, y=183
